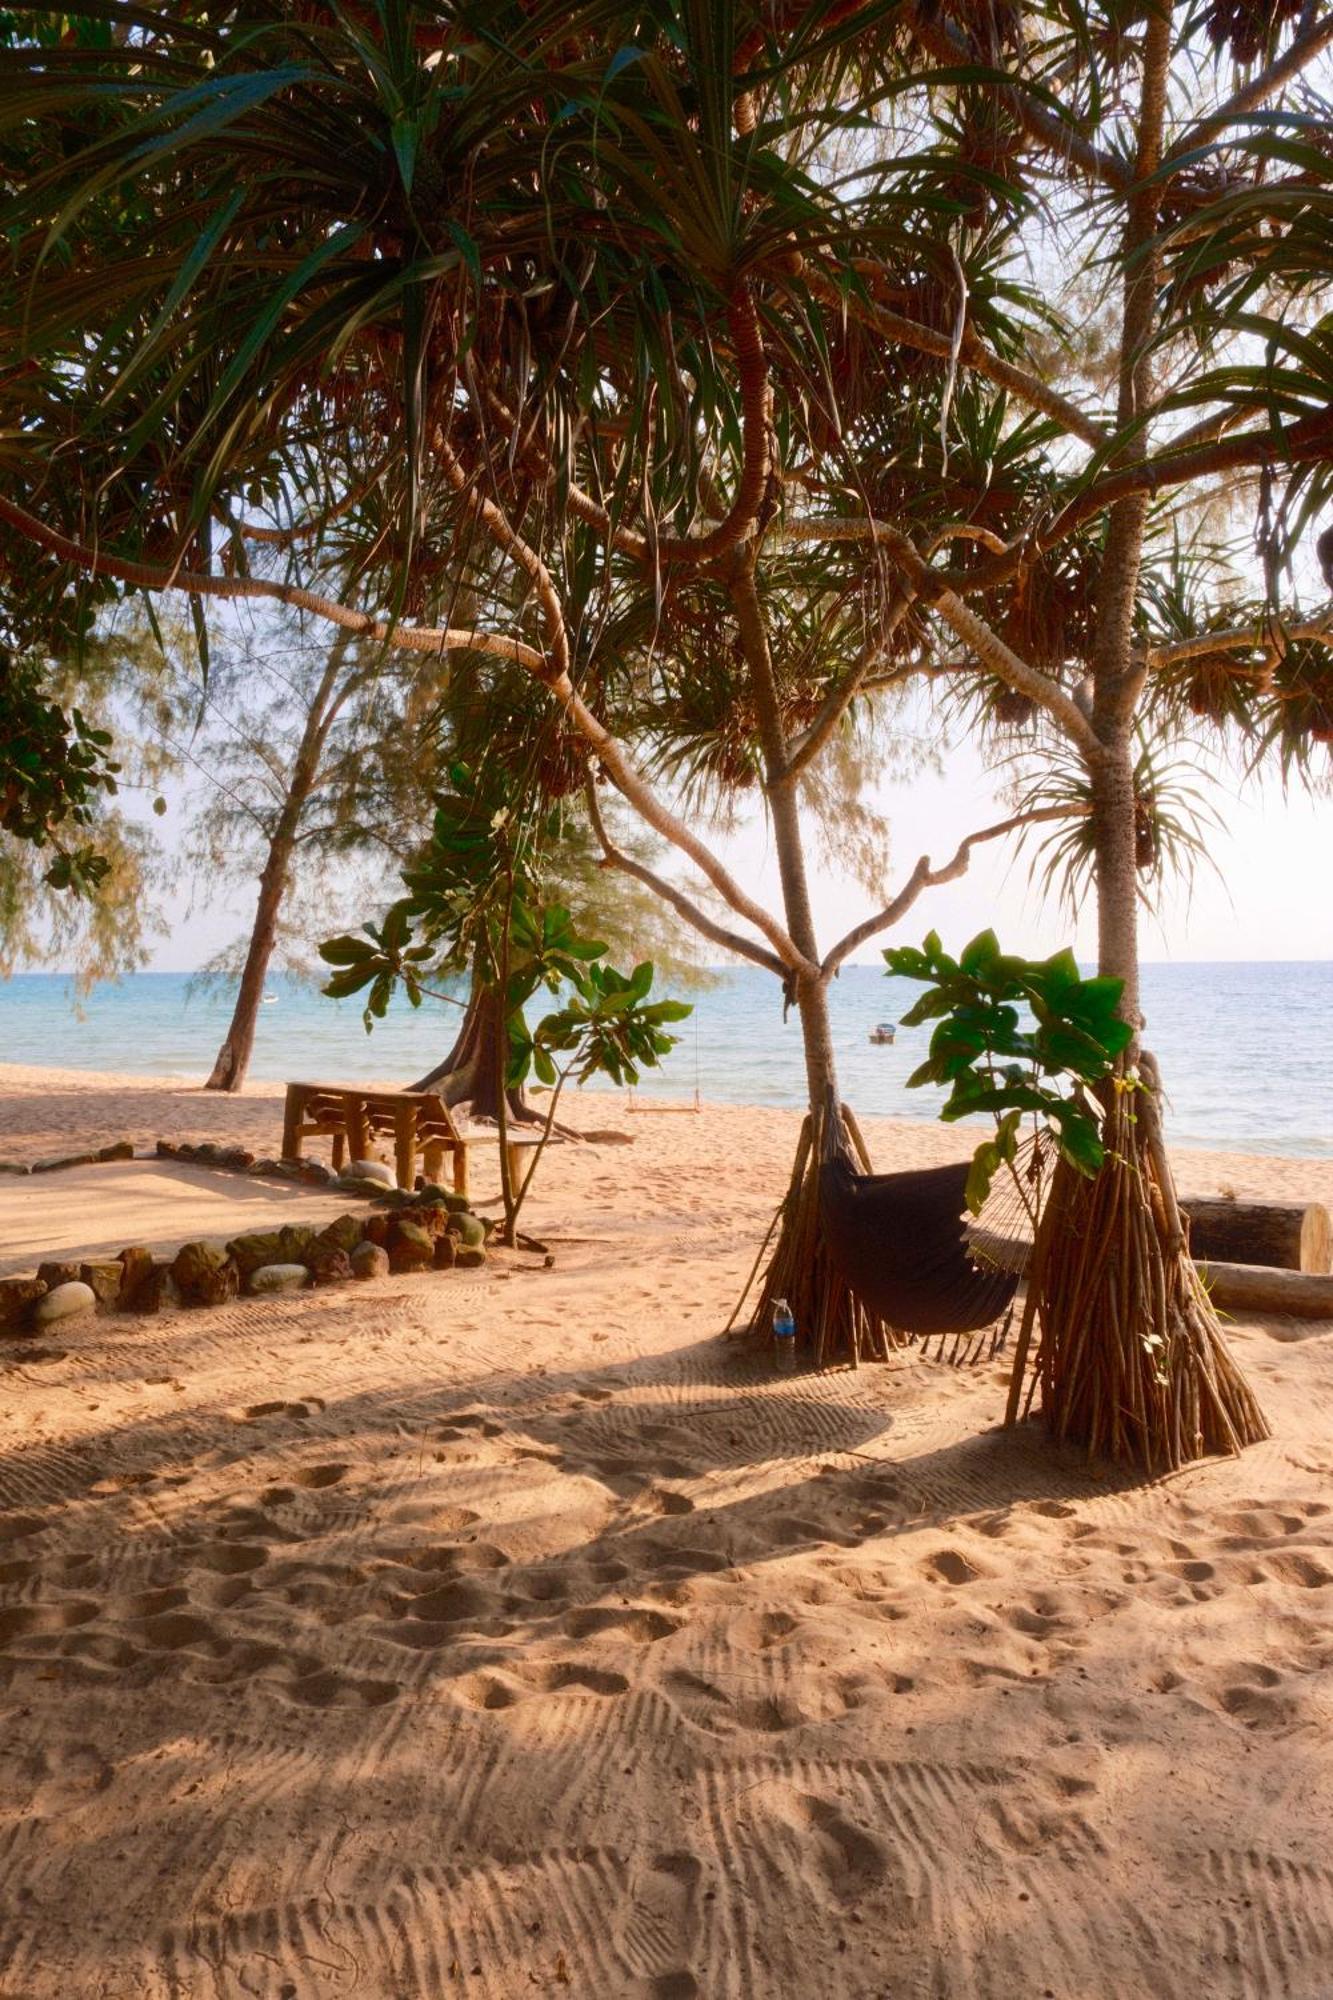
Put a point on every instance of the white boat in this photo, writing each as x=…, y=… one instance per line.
x=884, y=1033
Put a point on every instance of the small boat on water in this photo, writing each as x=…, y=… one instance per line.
x=270, y=999
x=883, y=1034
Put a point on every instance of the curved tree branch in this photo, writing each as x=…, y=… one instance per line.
x=150, y=576
x=1020, y=382
x=923, y=876
x=732, y=941
x=1254, y=93
x=1243, y=639
x=925, y=584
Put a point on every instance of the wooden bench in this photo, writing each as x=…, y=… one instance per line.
x=419, y=1120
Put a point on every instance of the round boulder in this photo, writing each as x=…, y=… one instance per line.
x=368, y=1260
x=273, y=1278
x=204, y=1274
x=411, y=1248
x=63, y=1302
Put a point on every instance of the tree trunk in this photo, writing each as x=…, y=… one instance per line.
x=1289, y=1235
x=831, y=1323
x=1132, y=1361
x=233, y=1058
x=470, y=1072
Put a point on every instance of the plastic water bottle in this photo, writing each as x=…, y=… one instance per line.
x=784, y=1339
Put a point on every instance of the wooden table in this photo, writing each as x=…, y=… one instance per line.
x=419, y=1120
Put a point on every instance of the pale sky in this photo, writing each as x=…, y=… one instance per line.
x=1273, y=898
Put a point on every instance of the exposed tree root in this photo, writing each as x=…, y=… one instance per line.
x=1131, y=1360
x=832, y=1327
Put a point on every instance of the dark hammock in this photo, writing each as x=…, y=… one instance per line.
x=900, y=1242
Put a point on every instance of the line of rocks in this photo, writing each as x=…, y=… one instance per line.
x=362, y=1177
x=122, y=1149
x=429, y=1230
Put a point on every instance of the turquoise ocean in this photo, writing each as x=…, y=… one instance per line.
x=1246, y=1050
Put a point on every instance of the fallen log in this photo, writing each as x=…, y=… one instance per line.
x=1257, y=1288
x=1287, y=1235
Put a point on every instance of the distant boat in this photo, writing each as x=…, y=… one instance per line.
x=270, y=999
x=883, y=1034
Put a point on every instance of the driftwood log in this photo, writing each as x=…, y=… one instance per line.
x=1251, y=1288
x=1287, y=1235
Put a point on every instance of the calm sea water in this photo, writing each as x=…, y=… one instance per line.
x=1245, y=1049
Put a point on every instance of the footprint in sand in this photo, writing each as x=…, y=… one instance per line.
x=850, y=1860
x=322, y=1688
x=28, y=1621
x=643, y=1626
x=504, y=1688
x=950, y=1566
x=1304, y=1571
x=661, y=1925
x=315, y=1477
x=757, y=1631
x=227, y=1558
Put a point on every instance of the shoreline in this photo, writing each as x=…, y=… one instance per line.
x=45, y=1109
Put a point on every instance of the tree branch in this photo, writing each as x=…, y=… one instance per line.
x=990, y=649
x=923, y=877
x=844, y=692
x=553, y=672
x=415, y=638
x=943, y=41
x=148, y=576
x=1020, y=382
x=732, y=941
x=1242, y=639
x=1254, y=93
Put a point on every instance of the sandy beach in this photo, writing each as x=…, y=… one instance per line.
x=510, y=1632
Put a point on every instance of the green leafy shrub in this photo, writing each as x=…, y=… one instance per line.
x=993, y=1059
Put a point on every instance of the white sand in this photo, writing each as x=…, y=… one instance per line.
x=508, y=1633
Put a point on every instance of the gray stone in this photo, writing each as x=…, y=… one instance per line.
x=68, y=1160
x=123, y=1149
x=470, y=1257
x=369, y=1261
x=446, y=1252
x=63, y=1302
x=373, y=1170
x=14, y=1167
x=272, y=1278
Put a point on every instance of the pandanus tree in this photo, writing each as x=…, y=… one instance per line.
x=703, y=335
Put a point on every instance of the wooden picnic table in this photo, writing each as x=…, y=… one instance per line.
x=419, y=1120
